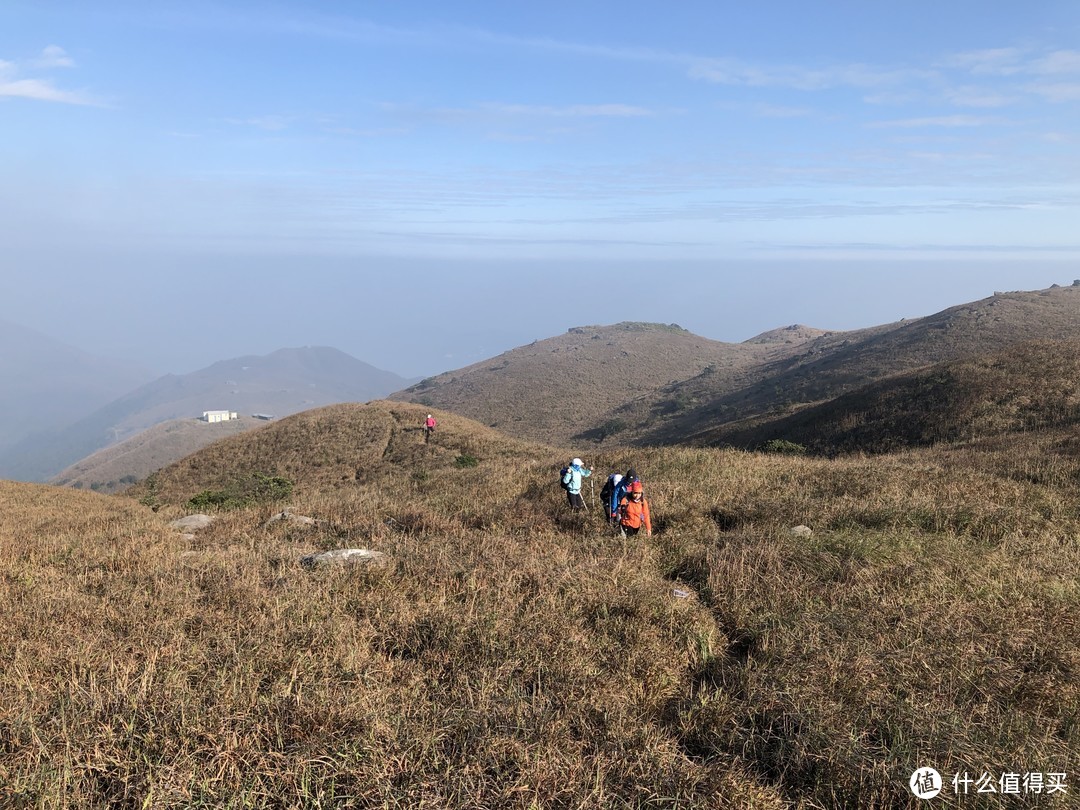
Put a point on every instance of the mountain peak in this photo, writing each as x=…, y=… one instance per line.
x=796, y=333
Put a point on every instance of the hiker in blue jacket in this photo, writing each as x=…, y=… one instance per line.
x=572, y=481
x=619, y=491
x=607, y=493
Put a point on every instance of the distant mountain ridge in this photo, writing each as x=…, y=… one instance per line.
x=635, y=384
x=280, y=383
x=839, y=363
x=650, y=384
x=549, y=389
x=49, y=384
x=1032, y=385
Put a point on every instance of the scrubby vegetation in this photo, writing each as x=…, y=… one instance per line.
x=513, y=655
x=243, y=491
x=784, y=447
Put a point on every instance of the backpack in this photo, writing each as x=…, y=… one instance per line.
x=562, y=478
x=609, y=487
x=620, y=489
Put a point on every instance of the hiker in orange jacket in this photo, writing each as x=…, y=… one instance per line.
x=634, y=511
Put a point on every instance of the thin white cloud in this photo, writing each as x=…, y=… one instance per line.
x=886, y=85
x=900, y=85
x=498, y=114
x=893, y=98
x=15, y=84
x=942, y=247
x=53, y=57
x=948, y=121
x=42, y=90
x=778, y=111
x=1016, y=62
x=741, y=73
x=1056, y=92
x=268, y=123
x=378, y=132
x=1057, y=63
x=989, y=62
x=571, y=111
x=968, y=96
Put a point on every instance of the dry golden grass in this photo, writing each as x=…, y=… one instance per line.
x=512, y=655
x=114, y=468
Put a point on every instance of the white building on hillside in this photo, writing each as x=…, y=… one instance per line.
x=219, y=416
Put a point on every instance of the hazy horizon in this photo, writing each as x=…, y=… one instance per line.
x=426, y=186
x=420, y=345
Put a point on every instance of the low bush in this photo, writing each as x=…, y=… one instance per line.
x=256, y=488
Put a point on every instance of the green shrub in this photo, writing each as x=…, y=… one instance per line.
x=783, y=447
x=465, y=460
x=256, y=488
x=208, y=498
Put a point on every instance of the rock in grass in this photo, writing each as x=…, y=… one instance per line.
x=192, y=522
x=287, y=515
x=801, y=531
x=341, y=556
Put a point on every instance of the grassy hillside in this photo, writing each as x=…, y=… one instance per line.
x=835, y=364
x=1025, y=387
x=116, y=467
x=510, y=654
x=568, y=386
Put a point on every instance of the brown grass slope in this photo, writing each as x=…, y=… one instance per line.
x=551, y=389
x=837, y=363
x=116, y=467
x=336, y=447
x=1025, y=387
x=512, y=655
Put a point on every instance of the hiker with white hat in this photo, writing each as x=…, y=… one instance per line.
x=571, y=481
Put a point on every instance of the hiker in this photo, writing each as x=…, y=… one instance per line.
x=429, y=426
x=607, y=496
x=634, y=512
x=571, y=481
x=621, y=487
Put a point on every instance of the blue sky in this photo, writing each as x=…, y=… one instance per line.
x=427, y=184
